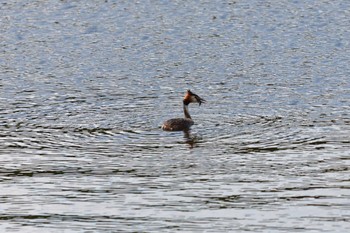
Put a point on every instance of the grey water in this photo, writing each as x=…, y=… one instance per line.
x=86, y=85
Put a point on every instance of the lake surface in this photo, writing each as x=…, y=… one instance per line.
x=86, y=85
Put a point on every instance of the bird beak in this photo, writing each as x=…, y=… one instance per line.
x=199, y=99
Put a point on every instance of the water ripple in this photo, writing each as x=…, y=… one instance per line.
x=84, y=88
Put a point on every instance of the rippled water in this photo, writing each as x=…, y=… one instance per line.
x=85, y=86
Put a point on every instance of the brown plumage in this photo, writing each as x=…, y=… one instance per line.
x=183, y=124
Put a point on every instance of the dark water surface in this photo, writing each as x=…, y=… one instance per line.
x=85, y=86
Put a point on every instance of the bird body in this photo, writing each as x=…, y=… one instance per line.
x=177, y=124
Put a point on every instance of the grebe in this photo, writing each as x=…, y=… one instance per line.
x=183, y=124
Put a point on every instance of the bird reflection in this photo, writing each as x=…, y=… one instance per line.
x=191, y=139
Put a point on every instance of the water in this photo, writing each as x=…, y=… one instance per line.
x=85, y=86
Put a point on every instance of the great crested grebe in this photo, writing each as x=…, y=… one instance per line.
x=183, y=124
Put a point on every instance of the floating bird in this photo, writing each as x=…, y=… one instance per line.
x=183, y=124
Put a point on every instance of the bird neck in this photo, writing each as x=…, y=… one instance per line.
x=187, y=114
